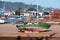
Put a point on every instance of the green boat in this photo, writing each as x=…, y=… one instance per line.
x=42, y=25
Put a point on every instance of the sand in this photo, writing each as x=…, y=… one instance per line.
x=10, y=30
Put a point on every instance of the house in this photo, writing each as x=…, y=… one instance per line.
x=40, y=14
x=8, y=13
x=26, y=14
x=33, y=13
x=46, y=14
x=13, y=11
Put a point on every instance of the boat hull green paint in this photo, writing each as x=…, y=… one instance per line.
x=42, y=25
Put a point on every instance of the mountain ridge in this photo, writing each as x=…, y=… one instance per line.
x=17, y=5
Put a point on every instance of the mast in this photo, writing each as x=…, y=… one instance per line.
x=37, y=11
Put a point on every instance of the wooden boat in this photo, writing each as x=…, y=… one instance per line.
x=33, y=27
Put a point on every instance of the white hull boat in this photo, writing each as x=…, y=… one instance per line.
x=2, y=21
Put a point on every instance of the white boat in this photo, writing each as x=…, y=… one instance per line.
x=2, y=21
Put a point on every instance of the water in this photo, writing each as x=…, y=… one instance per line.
x=1, y=14
x=1, y=9
x=15, y=19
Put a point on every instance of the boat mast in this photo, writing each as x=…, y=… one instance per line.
x=37, y=11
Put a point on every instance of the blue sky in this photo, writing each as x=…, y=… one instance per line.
x=43, y=3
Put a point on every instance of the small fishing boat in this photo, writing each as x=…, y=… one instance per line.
x=33, y=27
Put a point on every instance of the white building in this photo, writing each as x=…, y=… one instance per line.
x=8, y=12
x=33, y=13
x=41, y=13
x=26, y=14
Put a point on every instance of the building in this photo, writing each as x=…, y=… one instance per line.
x=8, y=13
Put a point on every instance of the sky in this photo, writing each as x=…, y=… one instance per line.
x=43, y=3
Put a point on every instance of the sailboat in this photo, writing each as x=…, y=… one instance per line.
x=33, y=26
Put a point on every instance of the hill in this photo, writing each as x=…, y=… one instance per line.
x=17, y=5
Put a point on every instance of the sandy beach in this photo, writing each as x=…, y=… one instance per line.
x=10, y=29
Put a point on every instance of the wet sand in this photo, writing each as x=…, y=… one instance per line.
x=56, y=29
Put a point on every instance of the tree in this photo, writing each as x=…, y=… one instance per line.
x=56, y=13
x=18, y=12
x=31, y=9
